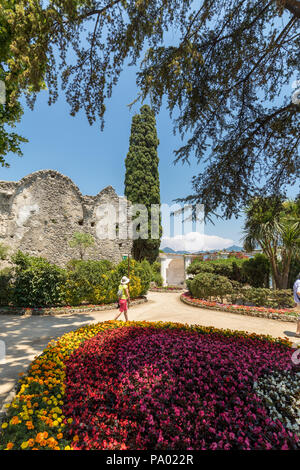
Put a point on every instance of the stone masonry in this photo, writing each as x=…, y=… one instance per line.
x=40, y=213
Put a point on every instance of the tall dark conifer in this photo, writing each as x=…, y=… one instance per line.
x=142, y=177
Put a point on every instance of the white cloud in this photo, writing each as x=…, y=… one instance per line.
x=195, y=241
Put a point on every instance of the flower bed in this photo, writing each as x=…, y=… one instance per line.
x=283, y=314
x=66, y=309
x=140, y=385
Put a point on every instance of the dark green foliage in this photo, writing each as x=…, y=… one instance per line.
x=142, y=178
x=257, y=270
x=273, y=224
x=5, y=286
x=209, y=286
x=294, y=270
x=156, y=276
x=261, y=297
x=37, y=283
x=230, y=268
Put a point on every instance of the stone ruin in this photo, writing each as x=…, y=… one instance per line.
x=40, y=213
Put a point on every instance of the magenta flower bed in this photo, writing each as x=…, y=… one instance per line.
x=173, y=388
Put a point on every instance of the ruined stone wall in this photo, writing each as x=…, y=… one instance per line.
x=40, y=213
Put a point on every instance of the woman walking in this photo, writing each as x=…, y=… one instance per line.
x=124, y=297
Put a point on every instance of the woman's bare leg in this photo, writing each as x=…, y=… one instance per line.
x=117, y=316
x=125, y=315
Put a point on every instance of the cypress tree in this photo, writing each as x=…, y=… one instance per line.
x=142, y=177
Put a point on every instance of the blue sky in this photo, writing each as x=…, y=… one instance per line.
x=95, y=159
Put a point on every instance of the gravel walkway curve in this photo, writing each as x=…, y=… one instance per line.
x=26, y=336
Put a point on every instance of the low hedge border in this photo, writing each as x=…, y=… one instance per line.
x=64, y=310
x=166, y=289
x=239, y=309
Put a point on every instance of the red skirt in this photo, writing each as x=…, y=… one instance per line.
x=123, y=305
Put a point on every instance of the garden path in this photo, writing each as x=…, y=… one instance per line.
x=26, y=336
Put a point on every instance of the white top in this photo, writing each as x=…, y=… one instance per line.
x=297, y=290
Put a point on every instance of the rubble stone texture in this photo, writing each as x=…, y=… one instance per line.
x=40, y=213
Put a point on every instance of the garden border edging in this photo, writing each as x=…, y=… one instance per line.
x=23, y=311
x=270, y=316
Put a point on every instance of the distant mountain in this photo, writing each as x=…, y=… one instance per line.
x=180, y=252
x=170, y=250
x=234, y=248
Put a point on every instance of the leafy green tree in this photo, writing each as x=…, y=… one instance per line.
x=257, y=270
x=81, y=241
x=142, y=180
x=220, y=82
x=10, y=111
x=274, y=225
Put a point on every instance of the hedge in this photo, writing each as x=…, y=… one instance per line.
x=210, y=286
x=34, y=282
x=254, y=271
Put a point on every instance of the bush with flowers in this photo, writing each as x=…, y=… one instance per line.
x=38, y=283
x=140, y=385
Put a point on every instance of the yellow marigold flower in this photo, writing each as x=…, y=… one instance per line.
x=4, y=425
x=31, y=442
x=24, y=445
x=70, y=420
x=67, y=448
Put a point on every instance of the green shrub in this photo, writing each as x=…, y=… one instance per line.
x=213, y=287
x=156, y=277
x=257, y=271
x=261, y=297
x=37, y=283
x=97, y=282
x=5, y=286
x=208, y=286
x=83, y=276
x=230, y=268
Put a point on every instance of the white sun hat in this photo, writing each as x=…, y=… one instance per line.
x=125, y=280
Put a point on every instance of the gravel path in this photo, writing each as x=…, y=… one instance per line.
x=26, y=336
